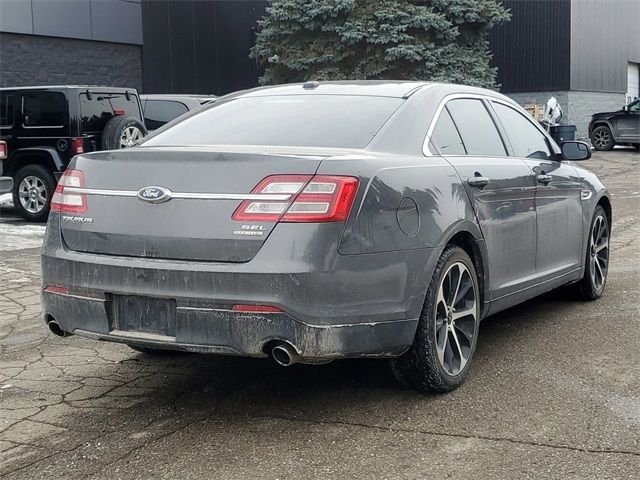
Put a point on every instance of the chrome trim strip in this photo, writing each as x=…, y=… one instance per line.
x=97, y=191
x=181, y=195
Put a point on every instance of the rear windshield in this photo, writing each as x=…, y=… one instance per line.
x=98, y=110
x=290, y=120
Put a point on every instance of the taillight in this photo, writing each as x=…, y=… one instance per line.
x=65, y=200
x=4, y=153
x=320, y=198
x=118, y=111
x=77, y=146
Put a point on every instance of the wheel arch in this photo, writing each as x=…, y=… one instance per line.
x=467, y=236
x=603, y=123
x=605, y=202
x=47, y=157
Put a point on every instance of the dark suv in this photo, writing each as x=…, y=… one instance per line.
x=44, y=127
x=616, y=128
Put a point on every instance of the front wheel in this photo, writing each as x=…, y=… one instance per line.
x=591, y=287
x=32, y=192
x=602, y=139
x=447, y=333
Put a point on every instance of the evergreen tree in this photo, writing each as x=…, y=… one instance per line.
x=440, y=40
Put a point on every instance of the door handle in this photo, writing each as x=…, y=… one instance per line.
x=478, y=181
x=544, y=178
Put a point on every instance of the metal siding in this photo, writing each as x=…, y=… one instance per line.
x=62, y=18
x=116, y=21
x=15, y=16
x=532, y=50
x=156, y=54
x=207, y=42
x=181, y=46
x=605, y=36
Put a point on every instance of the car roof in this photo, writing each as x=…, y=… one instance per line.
x=181, y=97
x=373, y=88
x=70, y=87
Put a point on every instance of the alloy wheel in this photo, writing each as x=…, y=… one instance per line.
x=130, y=136
x=599, y=251
x=32, y=193
x=456, y=318
x=601, y=138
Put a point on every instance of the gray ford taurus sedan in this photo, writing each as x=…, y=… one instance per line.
x=322, y=221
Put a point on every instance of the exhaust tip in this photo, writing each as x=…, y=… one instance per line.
x=284, y=355
x=56, y=329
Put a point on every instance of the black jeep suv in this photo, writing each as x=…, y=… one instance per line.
x=44, y=127
x=616, y=128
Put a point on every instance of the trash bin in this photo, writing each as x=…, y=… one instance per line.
x=563, y=133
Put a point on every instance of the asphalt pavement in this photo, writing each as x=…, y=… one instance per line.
x=554, y=392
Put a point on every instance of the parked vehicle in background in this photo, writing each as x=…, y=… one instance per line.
x=159, y=110
x=608, y=129
x=6, y=185
x=323, y=221
x=44, y=127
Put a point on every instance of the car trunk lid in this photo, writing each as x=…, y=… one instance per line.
x=206, y=186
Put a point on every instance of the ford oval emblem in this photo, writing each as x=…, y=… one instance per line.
x=154, y=194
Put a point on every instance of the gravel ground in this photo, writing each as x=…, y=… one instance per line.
x=554, y=392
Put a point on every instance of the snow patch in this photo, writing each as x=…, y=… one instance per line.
x=20, y=237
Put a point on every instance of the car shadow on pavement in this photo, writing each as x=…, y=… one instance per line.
x=195, y=386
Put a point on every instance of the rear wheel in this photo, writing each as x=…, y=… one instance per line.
x=591, y=287
x=446, y=337
x=602, y=139
x=33, y=187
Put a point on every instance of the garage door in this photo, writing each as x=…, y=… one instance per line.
x=633, y=82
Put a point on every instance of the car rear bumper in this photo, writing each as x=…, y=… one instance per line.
x=343, y=306
x=220, y=331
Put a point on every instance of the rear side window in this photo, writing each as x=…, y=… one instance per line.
x=527, y=141
x=159, y=112
x=339, y=121
x=478, y=132
x=7, y=103
x=101, y=107
x=44, y=109
x=446, y=137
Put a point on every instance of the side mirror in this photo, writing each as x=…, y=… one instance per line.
x=575, y=151
x=625, y=108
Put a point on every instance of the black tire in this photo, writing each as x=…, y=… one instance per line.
x=117, y=128
x=156, y=352
x=602, y=138
x=589, y=288
x=420, y=367
x=30, y=208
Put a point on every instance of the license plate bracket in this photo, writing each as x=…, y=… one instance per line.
x=132, y=313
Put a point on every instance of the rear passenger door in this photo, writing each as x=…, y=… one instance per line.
x=501, y=188
x=43, y=118
x=558, y=201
